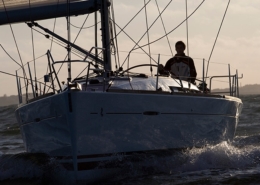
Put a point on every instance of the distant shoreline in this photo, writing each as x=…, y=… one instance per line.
x=252, y=89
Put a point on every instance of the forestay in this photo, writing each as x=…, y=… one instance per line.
x=13, y=11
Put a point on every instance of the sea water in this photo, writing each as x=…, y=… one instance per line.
x=225, y=163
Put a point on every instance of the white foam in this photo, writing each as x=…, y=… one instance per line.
x=223, y=155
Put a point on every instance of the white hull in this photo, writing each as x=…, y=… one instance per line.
x=100, y=126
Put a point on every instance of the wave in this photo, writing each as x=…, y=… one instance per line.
x=7, y=117
x=221, y=156
x=10, y=137
x=223, y=163
x=238, y=156
x=32, y=168
x=7, y=109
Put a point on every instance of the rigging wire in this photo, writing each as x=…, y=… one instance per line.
x=54, y=27
x=174, y=28
x=72, y=48
x=24, y=73
x=148, y=36
x=187, y=28
x=122, y=30
x=113, y=50
x=74, y=42
x=35, y=77
x=10, y=56
x=3, y=72
x=13, y=34
x=80, y=73
x=133, y=41
x=141, y=53
x=217, y=37
x=127, y=58
x=58, y=42
x=114, y=26
x=53, y=30
x=132, y=19
x=31, y=61
x=10, y=74
x=164, y=27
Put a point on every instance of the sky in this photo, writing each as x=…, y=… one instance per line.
x=238, y=42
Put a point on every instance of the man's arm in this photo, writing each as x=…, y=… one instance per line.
x=168, y=64
x=165, y=70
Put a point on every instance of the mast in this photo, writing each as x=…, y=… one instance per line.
x=105, y=35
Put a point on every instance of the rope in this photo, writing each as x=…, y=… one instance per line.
x=217, y=37
x=35, y=77
x=114, y=26
x=187, y=28
x=48, y=37
x=132, y=19
x=113, y=50
x=127, y=58
x=73, y=42
x=10, y=74
x=133, y=42
x=10, y=56
x=53, y=30
x=148, y=36
x=72, y=48
x=13, y=33
x=30, y=61
x=15, y=42
x=54, y=25
x=164, y=27
x=85, y=27
x=81, y=72
x=174, y=28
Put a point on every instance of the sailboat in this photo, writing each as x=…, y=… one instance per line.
x=92, y=120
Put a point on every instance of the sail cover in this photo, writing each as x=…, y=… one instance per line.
x=13, y=11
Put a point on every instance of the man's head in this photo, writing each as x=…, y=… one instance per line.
x=180, y=47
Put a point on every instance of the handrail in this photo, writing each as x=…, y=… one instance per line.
x=73, y=61
x=235, y=83
x=56, y=75
x=224, y=76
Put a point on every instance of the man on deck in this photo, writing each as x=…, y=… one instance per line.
x=180, y=66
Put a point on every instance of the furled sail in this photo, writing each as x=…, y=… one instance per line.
x=13, y=11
